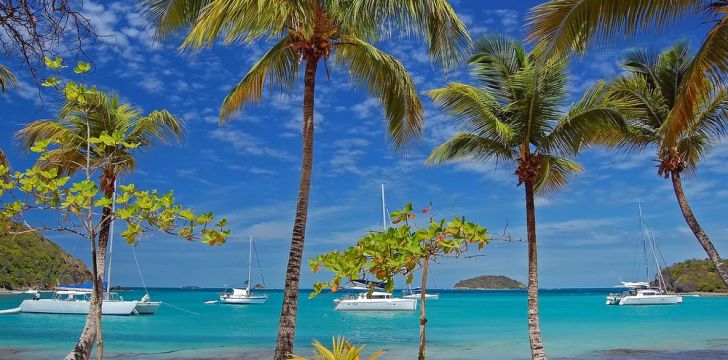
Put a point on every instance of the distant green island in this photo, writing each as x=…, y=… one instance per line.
x=694, y=275
x=489, y=282
x=30, y=261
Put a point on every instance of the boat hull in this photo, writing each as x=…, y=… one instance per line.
x=427, y=297
x=147, y=307
x=651, y=300
x=376, y=305
x=250, y=300
x=79, y=307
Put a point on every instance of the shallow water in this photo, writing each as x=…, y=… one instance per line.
x=462, y=325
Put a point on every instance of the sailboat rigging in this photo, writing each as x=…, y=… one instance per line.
x=244, y=296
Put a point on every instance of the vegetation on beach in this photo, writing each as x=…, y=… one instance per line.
x=694, y=275
x=401, y=250
x=30, y=261
x=307, y=34
x=340, y=349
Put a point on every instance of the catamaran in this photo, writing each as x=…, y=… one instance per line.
x=642, y=292
x=244, y=296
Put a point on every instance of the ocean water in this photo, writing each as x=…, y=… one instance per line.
x=576, y=324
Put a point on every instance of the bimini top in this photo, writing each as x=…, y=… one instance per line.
x=367, y=283
x=636, y=284
x=86, y=286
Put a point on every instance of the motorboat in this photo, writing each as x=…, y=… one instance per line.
x=416, y=293
x=376, y=301
x=244, y=296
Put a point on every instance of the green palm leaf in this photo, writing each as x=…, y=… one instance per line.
x=555, y=173
x=7, y=79
x=387, y=79
x=280, y=66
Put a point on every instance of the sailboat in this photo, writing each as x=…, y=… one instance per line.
x=641, y=292
x=244, y=296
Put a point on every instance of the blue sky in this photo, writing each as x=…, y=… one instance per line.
x=247, y=169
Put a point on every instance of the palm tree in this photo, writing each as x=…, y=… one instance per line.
x=562, y=26
x=100, y=114
x=514, y=118
x=309, y=33
x=6, y=79
x=653, y=83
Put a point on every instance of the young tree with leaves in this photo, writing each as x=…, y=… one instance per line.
x=653, y=84
x=97, y=134
x=401, y=250
x=513, y=116
x=308, y=33
x=90, y=113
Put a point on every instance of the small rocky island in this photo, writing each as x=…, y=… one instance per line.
x=489, y=282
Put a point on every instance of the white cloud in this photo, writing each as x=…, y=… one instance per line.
x=248, y=144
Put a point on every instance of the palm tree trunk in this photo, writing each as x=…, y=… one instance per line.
x=423, y=313
x=287, y=324
x=697, y=229
x=92, y=329
x=534, y=327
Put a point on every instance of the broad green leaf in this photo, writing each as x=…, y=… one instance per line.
x=82, y=67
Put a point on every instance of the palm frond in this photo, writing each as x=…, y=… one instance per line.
x=48, y=130
x=648, y=101
x=597, y=118
x=7, y=79
x=386, y=78
x=554, y=173
x=475, y=109
x=171, y=16
x=708, y=70
x=435, y=20
x=670, y=70
x=4, y=159
x=247, y=20
x=712, y=120
x=642, y=63
x=563, y=26
x=467, y=146
x=496, y=59
x=159, y=125
x=280, y=66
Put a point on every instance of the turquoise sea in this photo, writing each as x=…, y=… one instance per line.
x=473, y=325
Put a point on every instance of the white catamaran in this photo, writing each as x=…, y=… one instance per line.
x=244, y=296
x=641, y=292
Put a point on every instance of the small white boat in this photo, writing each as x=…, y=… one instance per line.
x=416, y=294
x=75, y=302
x=377, y=301
x=146, y=306
x=244, y=296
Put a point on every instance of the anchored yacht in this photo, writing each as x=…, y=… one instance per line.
x=244, y=296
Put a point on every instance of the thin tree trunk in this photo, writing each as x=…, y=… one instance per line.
x=92, y=329
x=697, y=229
x=423, y=312
x=534, y=327
x=287, y=324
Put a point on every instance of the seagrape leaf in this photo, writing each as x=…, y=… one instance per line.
x=82, y=67
x=51, y=81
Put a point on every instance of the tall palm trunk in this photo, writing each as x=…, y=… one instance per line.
x=534, y=327
x=697, y=230
x=423, y=312
x=92, y=329
x=287, y=324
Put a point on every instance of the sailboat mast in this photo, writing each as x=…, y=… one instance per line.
x=645, y=239
x=660, y=279
x=111, y=241
x=250, y=260
x=384, y=211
